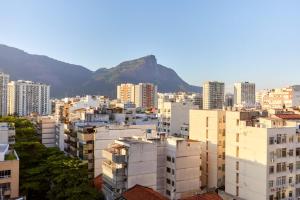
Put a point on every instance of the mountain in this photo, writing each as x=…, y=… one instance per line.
x=70, y=80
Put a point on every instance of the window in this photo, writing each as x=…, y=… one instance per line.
x=237, y=152
x=5, y=174
x=237, y=137
x=281, y=181
x=173, y=183
x=297, y=165
x=271, y=197
x=271, y=183
x=237, y=178
x=290, y=180
x=206, y=121
x=237, y=191
x=278, y=139
x=283, y=152
x=297, y=151
x=297, y=192
x=173, y=171
x=297, y=178
x=206, y=134
x=237, y=165
x=168, y=158
x=271, y=140
x=168, y=170
x=168, y=181
x=173, y=160
x=168, y=192
x=290, y=194
x=237, y=122
x=271, y=169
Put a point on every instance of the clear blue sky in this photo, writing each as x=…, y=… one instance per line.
x=201, y=39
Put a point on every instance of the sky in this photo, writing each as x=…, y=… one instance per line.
x=229, y=41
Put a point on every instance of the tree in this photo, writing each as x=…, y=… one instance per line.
x=46, y=173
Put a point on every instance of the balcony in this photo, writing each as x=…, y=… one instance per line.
x=114, y=155
x=115, y=182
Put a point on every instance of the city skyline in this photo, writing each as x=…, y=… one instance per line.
x=225, y=41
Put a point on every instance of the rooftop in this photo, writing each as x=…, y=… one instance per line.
x=139, y=192
x=206, y=196
x=288, y=116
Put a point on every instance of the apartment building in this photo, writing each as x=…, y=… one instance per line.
x=262, y=157
x=7, y=133
x=51, y=133
x=244, y=94
x=170, y=165
x=26, y=97
x=4, y=79
x=9, y=173
x=126, y=92
x=87, y=140
x=143, y=95
x=280, y=98
x=182, y=173
x=79, y=143
x=128, y=162
x=106, y=135
x=208, y=127
x=213, y=95
x=173, y=115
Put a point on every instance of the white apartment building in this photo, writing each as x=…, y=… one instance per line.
x=208, y=127
x=281, y=97
x=51, y=132
x=128, y=162
x=7, y=133
x=182, y=173
x=4, y=79
x=213, y=95
x=173, y=115
x=106, y=135
x=262, y=158
x=143, y=95
x=244, y=94
x=26, y=97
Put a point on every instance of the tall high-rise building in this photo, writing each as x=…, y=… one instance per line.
x=125, y=92
x=4, y=79
x=143, y=95
x=26, y=97
x=146, y=95
x=244, y=94
x=213, y=95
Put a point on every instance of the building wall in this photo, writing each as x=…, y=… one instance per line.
x=244, y=94
x=12, y=165
x=4, y=79
x=142, y=165
x=105, y=136
x=208, y=127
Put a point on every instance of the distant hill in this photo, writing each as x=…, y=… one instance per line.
x=70, y=80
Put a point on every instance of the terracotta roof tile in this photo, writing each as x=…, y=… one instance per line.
x=288, y=116
x=206, y=196
x=139, y=192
